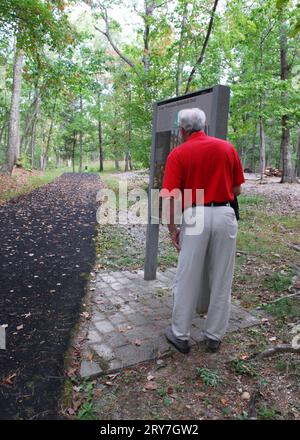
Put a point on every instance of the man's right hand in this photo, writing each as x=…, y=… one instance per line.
x=174, y=234
x=237, y=190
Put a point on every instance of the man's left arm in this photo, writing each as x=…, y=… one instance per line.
x=172, y=181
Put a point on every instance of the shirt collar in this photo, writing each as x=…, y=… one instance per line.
x=196, y=134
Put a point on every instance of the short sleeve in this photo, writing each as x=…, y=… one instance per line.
x=238, y=174
x=173, y=175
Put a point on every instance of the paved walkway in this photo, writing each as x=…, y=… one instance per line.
x=128, y=319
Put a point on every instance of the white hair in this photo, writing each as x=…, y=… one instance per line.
x=192, y=119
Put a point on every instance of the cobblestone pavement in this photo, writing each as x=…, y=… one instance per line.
x=128, y=319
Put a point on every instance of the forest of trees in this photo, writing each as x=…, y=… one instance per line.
x=76, y=91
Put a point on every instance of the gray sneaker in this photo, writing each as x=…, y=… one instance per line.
x=182, y=346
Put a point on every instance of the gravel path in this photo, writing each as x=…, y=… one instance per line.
x=282, y=198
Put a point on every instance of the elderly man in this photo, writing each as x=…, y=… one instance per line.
x=206, y=260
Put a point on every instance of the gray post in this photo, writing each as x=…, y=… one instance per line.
x=152, y=229
x=219, y=112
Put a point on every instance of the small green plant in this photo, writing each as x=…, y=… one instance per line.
x=243, y=367
x=87, y=410
x=281, y=366
x=162, y=392
x=243, y=416
x=209, y=377
x=226, y=411
x=247, y=200
x=266, y=412
x=168, y=401
x=256, y=333
x=286, y=307
x=277, y=282
x=207, y=401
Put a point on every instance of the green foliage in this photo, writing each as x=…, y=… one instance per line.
x=266, y=413
x=88, y=94
x=87, y=410
x=278, y=282
x=32, y=183
x=35, y=23
x=243, y=416
x=284, y=308
x=244, y=367
x=281, y=366
x=209, y=377
x=282, y=3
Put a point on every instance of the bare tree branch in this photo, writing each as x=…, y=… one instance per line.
x=294, y=246
x=285, y=296
x=270, y=351
x=107, y=34
x=205, y=44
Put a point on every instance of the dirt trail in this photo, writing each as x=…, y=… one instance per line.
x=46, y=254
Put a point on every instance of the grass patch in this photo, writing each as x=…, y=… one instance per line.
x=209, y=377
x=262, y=232
x=116, y=249
x=251, y=200
x=32, y=182
x=278, y=282
x=87, y=410
x=266, y=413
x=286, y=308
x=243, y=367
x=67, y=395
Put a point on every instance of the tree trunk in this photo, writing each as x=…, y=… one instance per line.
x=80, y=138
x=13, y=150
x=117, y=166
x=262, y=150
x=179, y=58
x=73, y=151
x=298, y=158
x=32, y=143
x=127, y=155
x=100, y=137
x=146, y=58
x=3, y=129
x=204, y=47
x=30, y=120
x=126, y=161
x=26, y=125
x=100, y=145
x=46, y=152
x=252, y=163
x=286, y=147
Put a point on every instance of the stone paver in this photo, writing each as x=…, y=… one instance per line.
x=128, y=319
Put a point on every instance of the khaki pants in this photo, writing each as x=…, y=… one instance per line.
x=205, y=272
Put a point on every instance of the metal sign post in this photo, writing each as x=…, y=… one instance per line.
x=214, y=101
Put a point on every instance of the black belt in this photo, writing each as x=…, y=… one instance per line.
x=215, y=204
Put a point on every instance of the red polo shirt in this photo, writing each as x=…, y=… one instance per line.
x=204, y=162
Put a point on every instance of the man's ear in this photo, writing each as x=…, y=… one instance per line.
x=182, y=133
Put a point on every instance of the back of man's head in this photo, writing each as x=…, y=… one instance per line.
x=191, y=120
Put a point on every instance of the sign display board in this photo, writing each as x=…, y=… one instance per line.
x=214, y=101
